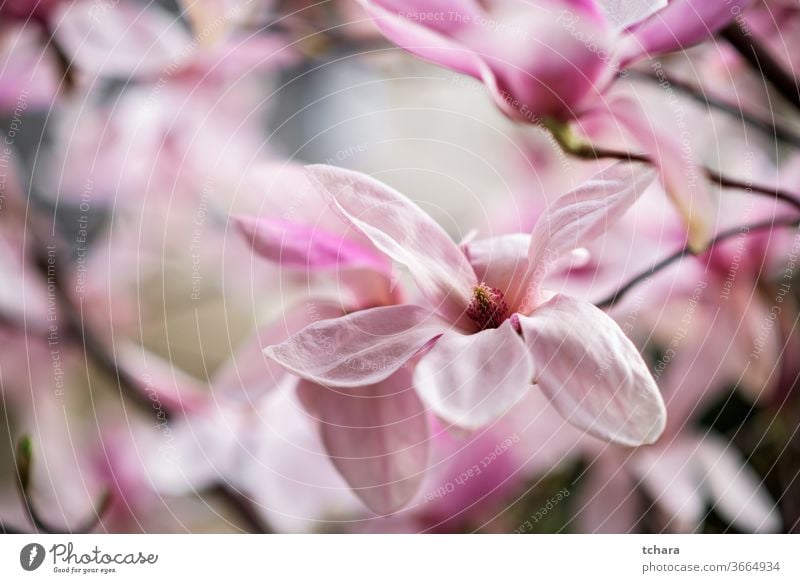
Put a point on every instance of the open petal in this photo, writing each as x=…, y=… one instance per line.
x=359, y=349
x=592, y=373
x=249, y=373
x=502, y=262
x=471, y=380
x=738, y=493
x=582, y=215
x=307, y=247
x=681, y=24
x=404, y=232
x=376, y=436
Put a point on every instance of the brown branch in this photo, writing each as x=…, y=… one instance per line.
x=762, y=61
x=681, y=253
x=698, y=94
x=591, y=152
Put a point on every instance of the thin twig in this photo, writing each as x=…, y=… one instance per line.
x=699, y=94
x=772, y=192
x=589, y=152
x=681, y=253
x=127, y=385
x=762, y=61
x=92, y=346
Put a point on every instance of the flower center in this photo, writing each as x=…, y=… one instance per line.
x=487, y=308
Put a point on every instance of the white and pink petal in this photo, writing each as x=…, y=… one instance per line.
x=404, y=232
x=362, y=348
x=376, y=436
x=592, y=373
x=470, y=380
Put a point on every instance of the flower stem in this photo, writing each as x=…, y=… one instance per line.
x=588, y=151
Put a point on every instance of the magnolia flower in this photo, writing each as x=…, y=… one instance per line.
x=251, y=433
x=688, y=468
x=546, y=58
x=375, y=435
x=553, y=62
x=682, y=477
x=680, y=24
x=484, y=330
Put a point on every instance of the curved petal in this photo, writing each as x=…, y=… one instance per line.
x=682, y=175
x=307, y=247
x=376, y=436
x=537, y=58
x=592, y=372
x=471, y=380
x=681, y=24
x=543, y=58
x=425, y=29
x=737, y=491
x=581, y=215
x=404, y=232
x=359, y=349
x=249, y=373
x=501, y=262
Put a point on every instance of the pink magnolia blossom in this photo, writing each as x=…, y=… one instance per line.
x=485, y=331
x=688, y=467
x=251, y=433
x=681, y=24
x=546, y=58
x=556, y=60
x=523, y=52
x=376, y=435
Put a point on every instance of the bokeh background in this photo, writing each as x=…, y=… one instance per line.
x=135, y=397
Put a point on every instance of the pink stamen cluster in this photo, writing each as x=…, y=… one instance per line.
x=487, y=308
